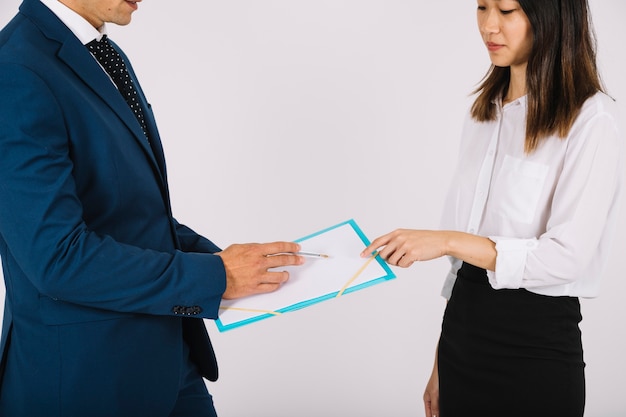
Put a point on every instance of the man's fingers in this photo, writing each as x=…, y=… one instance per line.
x=270, y=282
x=267, y=288
x=283, y=259
x=256, y=267
x=280, y=247
x=263, y=283
x=274, y=278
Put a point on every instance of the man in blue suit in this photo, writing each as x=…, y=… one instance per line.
x=105, y=290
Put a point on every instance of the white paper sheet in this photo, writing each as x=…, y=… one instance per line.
x=317, y=280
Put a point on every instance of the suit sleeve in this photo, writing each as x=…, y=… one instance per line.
x=191, y=241
x=46, y=238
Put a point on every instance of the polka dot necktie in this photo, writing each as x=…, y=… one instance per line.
x=114, y=65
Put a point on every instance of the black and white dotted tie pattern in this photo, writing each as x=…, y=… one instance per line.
x=114, y=65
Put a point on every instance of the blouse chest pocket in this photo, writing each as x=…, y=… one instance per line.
x=517, y=189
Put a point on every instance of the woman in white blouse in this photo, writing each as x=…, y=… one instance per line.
x=528, y=220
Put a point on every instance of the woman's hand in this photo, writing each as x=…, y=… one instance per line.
x=431, y=394
x=402, y=247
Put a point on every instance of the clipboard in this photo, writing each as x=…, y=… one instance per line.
x=319, y=279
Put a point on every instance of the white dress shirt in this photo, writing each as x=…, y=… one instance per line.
x=551, y=213
x=83, y=30
x=79, y=26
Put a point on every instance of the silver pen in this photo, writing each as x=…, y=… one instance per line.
x=305, y=254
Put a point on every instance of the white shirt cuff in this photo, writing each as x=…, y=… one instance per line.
x=510, y=261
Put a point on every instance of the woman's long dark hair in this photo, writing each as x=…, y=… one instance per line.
x=561, y=72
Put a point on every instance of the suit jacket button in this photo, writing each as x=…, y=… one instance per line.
x=187, y=311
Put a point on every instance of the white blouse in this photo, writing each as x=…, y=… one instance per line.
x=551, y=213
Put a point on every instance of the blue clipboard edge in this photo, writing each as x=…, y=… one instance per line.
x=390, y=275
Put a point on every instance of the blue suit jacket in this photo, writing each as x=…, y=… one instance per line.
x=103, y=285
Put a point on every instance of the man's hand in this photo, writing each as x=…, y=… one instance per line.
x=247, y=267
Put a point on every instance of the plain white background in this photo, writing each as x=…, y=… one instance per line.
x=282, y=117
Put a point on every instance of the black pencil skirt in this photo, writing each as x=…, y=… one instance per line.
x=509, y=353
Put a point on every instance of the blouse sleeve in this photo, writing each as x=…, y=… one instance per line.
x=450, y=279
x=572, y=252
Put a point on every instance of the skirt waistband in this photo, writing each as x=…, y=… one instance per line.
x=473, y=274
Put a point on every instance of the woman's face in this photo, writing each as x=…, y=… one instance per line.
x=506, y=31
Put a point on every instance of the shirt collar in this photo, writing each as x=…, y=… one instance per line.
x=518, y=101
x=80, y=27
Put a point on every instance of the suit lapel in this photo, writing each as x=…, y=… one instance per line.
x=74, y=54
x=155, y=141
